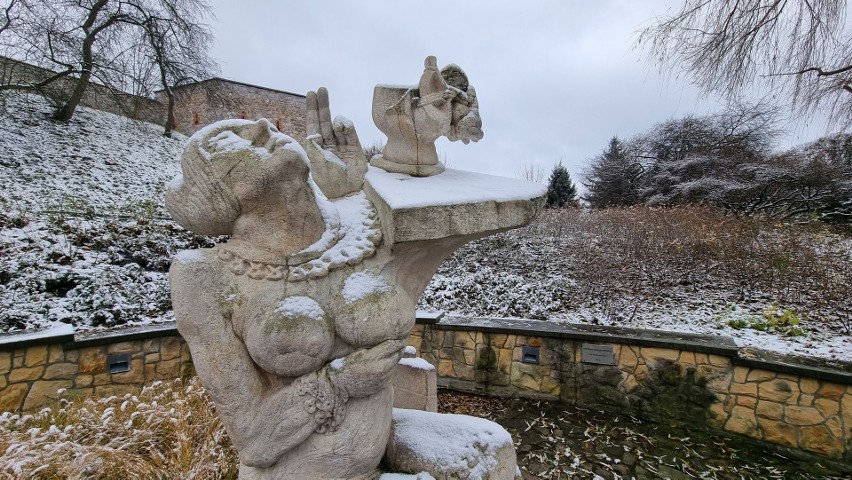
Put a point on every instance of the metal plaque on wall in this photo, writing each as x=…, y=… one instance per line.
x=598, y=354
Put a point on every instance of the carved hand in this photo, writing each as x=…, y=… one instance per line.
x=367, y=371
x=338, y=164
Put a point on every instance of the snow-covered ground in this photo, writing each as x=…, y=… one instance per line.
x=84, y=240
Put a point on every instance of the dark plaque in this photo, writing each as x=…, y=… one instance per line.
x=599, y=354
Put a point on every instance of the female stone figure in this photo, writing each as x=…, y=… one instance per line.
x=295, y=323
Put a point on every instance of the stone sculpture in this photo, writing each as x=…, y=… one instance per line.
x=443, y=104
x=297, y=322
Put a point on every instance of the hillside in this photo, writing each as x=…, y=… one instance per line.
x=84, y=240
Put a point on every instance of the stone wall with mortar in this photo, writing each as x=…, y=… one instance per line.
x=203, y=103
x=38, y=370
x=655, y=375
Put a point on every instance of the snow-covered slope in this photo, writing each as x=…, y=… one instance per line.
x=83, y=235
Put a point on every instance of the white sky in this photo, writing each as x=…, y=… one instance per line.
x=556, y=79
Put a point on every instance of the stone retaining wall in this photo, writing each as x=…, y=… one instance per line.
x=654, y=375
x=37, y=370
x=692, y=378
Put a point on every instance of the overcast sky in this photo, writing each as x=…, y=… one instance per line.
x=555, y=79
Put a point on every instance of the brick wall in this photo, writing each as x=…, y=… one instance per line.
x=203, y=103
x=658, y=376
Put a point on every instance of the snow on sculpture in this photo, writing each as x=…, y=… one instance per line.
x=443, y=104
x=297, y=322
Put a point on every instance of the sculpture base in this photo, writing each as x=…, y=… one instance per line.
x=413, y=170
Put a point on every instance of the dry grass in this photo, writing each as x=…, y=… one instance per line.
x=619, y=260
x=168, y=431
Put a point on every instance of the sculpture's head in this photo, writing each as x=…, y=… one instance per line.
x=465, y=123
x=231, y=168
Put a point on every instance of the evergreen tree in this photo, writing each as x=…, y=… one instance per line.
x=561, y=191
x=613, y=177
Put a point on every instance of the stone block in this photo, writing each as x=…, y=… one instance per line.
x=24, y=374
x=5, y=362
x=45, y=392
x=93, y=360
x=820, y=440
x=3, y=381
x=445, y=368
x=741, y=374
x=758, y=375
x=827, y=407
x=504, y=360
x=796, y=415
x=168, y=369
x=498, y=340
x=511, y=341
x=833, y=425
x=535, y=342
x=36, y=356
x=830, y=390
x=627, y=359
x=701, y=359
x=749, y=389
x=415, y=388
x=123, y=347
x=55, y=354
x=527, y=377
x=770, y=410
x=151, y=345
x=464, y=372
x=150, y=372
x=719, y=361
x=102, y=379
x=779, y=432
x=18, y=361
x=687, y=358
x=742, y=420
x=550, y=386
x=717, y=416
x=746, y=401
x=806, y=399
x=152, y=357
x=72, y=356
x=82, y=381
x=650, y=354
x=136, y=374
x=641, y=373
x=808, y=385
x=12, y=397
x=170, y=347
x=61, y=371
x=778, y=390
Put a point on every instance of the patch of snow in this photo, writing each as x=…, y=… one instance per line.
x=299, y=306
x=417, y=363
x=363, y=284
x=58, y=330
x=337, y=364
x=452, y=443
x=190, y=256
x=451, y=187
x=409, y=350
x=406, y=476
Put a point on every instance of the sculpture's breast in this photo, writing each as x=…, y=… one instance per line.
x=288, y=336
x=371, y=311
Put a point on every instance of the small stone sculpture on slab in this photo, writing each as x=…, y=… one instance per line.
x=413, y=117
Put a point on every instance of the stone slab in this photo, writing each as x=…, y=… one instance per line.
x=452, y=203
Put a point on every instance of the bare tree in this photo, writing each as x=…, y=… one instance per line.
x=799, y=48
x=119, y=43
x=531, y=173
x=177, y=43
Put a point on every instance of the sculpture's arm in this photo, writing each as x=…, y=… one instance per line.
x=263, y=419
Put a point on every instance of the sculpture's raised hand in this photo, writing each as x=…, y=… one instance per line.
x=337, y=160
